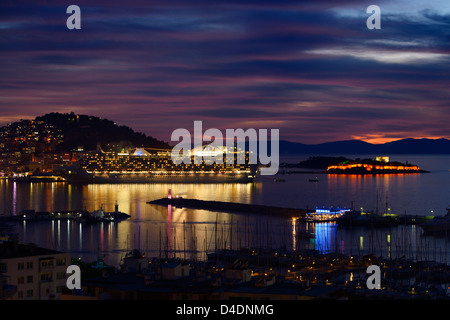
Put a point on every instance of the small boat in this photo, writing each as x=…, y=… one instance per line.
x=96, y=216
x=438, y=225
x=313, y=180
x=103, y=216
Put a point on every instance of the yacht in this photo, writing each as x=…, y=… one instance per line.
x=440, y=224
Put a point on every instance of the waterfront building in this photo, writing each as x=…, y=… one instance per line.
x=36, y=273
x=135, y=261
x=326, y=214
x=174, y=270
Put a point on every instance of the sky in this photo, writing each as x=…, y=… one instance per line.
x=312, y=69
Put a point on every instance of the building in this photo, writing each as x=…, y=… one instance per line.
x=238, y=272
x=37, y=273
x=379, y=165
x=174, y=270
x=382, y=159
x=135, y=261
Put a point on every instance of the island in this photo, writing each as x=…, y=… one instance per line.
x=342, y=165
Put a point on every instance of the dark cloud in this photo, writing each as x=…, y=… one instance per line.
x=297, y=65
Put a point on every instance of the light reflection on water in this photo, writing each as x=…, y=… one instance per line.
x=187, y=233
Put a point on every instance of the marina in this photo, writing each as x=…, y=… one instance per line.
x=253, y=274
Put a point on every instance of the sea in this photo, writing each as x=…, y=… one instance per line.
x=171, y=232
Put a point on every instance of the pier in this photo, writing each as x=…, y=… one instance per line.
x=76, y=215
x=230, y=207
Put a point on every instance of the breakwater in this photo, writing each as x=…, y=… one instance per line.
x=230, y=207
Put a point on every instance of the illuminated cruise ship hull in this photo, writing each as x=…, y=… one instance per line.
x=177, y=177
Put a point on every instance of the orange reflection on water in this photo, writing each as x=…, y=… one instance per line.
x=167, y=231
x=380, y=187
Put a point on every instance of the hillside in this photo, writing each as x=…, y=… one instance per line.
x=89, y=131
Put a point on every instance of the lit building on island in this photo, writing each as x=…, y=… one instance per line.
x=378, y=165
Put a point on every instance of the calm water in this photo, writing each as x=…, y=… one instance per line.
x=192, y=233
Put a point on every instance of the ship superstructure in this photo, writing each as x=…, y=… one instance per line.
x=149, y=165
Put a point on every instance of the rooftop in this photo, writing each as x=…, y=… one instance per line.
x=9, y=250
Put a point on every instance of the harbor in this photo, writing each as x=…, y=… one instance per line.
x=260, y=269
x=265, y=240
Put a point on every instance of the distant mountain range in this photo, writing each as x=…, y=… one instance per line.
x=404, y=146
x=89, y=131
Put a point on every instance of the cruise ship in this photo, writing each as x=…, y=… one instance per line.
x=142, y=165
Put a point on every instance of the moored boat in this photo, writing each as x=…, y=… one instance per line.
x=437, y=225
x=99, y=215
